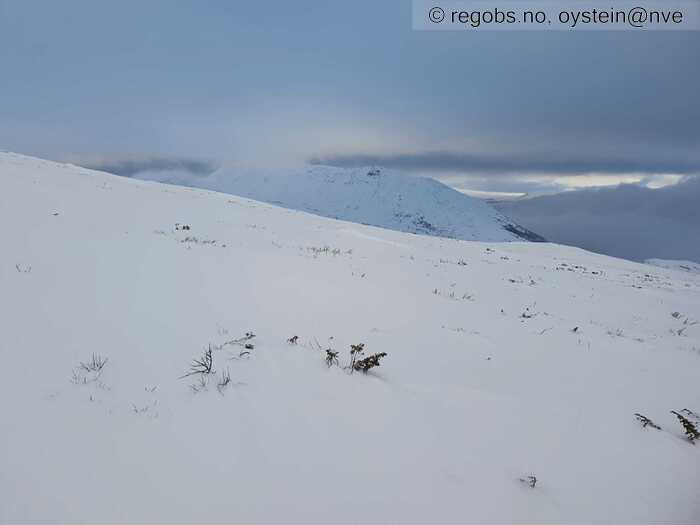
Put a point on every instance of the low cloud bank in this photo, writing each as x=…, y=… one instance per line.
x=628, y=221
x=135, y=167
x=633, y=161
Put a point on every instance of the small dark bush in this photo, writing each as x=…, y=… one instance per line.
x=691, y=431
x=96, y=364
x=366, y=364
x=203, y=365
x=331, y=357
x=690, y=413
x=355, y=352
x=530, y=481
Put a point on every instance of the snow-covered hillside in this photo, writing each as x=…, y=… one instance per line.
x=369, y=196
x=504, y=361
x=682, y=266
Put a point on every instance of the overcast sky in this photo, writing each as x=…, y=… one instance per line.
x=627, y=221
x=201, y=84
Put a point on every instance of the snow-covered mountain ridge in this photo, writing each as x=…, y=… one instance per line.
x=370, y=196
x=504, y=361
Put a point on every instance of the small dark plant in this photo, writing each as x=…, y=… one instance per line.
x=95, y=365
x=366, y=364
x=293, y=340
x=90, y=371
x=331, y=357
x=527, y=314
x=224, y=381
x=530, y=481
x=690, y=413
x=355, y=352
x=242, y=341
x=646, y=422
x=203, y=365
x=691, y=431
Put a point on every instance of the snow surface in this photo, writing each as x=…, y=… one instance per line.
x=504, y=361
x=367, y=196
x=670, y=264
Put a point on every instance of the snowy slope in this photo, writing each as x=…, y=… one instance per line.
x=670, y=264
x=370, y=196
x=504, y=361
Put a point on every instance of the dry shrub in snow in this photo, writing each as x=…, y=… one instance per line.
x=240, y=341
x=224, y=381
x=90, y=371
x=331, y=357
x=366, y=364
x=363, y=364
x=96, y=363
x=690, y=429
x=690, y=413
x=530, y=481
x=646, y=422
x=203, y=365
x=355, y=352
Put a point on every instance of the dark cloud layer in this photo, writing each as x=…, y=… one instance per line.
x=455, y=162
x=131, y=168
x=627, y=221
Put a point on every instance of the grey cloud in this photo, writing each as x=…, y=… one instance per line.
x=627, y=221
x=437, y=161
x=132, y=167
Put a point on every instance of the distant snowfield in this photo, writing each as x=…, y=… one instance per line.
x=683, y=266
x=503, y=361
x=368, y=196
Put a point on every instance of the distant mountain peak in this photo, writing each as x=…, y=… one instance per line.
x=374, y=196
